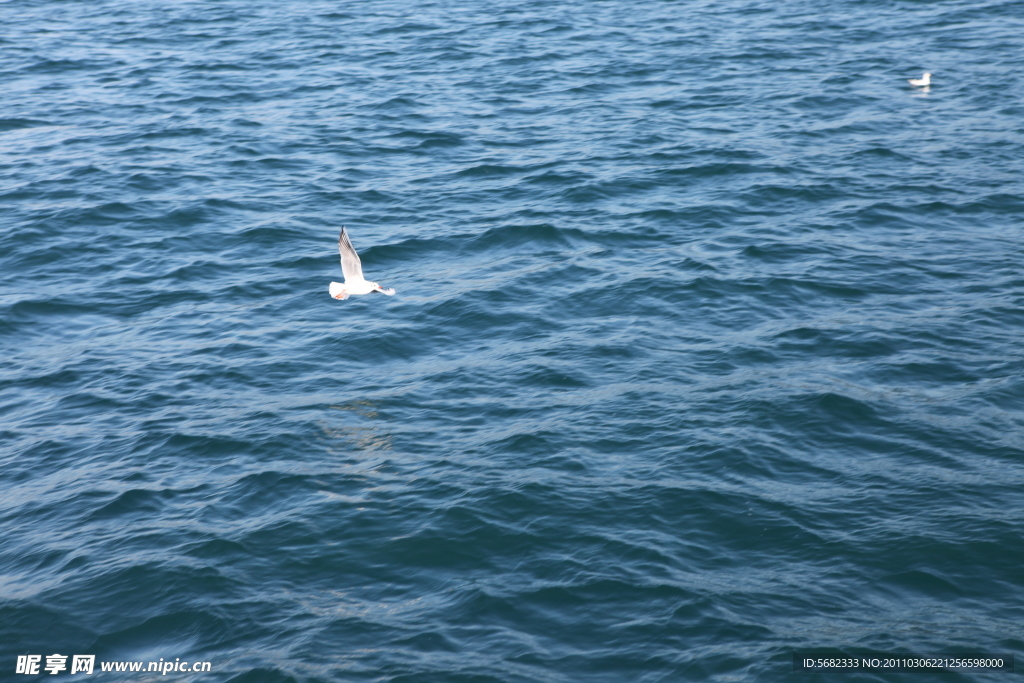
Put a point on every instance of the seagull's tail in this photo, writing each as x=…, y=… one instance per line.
x=337, y=290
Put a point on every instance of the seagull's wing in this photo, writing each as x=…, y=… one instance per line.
x=350, y=264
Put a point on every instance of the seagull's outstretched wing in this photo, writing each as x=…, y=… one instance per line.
x=350, y=264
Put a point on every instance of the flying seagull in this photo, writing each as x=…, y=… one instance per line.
x=353, y=270
x=926, y=79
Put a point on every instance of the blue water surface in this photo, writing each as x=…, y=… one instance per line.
x=706, y=348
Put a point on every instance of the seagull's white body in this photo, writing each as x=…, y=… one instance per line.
x=926, y=79
x=352, y=268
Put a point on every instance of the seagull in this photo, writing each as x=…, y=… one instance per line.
x=353, y=270
x=920, y=82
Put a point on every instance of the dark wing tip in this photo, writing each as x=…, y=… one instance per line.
x=344, y=241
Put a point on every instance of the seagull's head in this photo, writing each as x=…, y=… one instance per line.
x=926, y=75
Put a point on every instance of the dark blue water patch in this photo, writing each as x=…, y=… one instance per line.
x=430, y=139
x=406, y=28
x=60, y=66
x=154, y=442
x=133, y=504
x=18, y=124
x=560, y=178
x=490, y=171
x=217, y=67
x=808, y=342
x=274, y=163
x=27, y=618
x=400, y=103
x=783, y=252
x=27, y=310
x=261, y=675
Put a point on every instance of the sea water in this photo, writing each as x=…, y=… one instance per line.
x=706, y=348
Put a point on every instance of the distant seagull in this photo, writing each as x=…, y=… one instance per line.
x=353, y=270
x=921, y=82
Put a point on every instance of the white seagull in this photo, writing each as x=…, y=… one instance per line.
x=353, y=270
x=925, y=80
